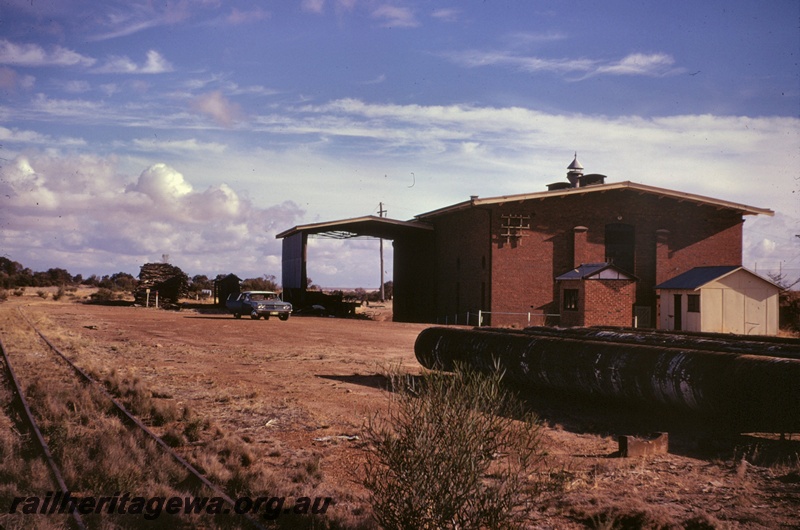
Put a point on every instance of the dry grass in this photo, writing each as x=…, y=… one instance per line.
x=99, y=455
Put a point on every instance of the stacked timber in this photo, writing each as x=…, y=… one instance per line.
x=169, y=281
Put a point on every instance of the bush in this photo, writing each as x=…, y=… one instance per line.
x=19, y=291
x=452, y=451
x=103, y=295
x=42, y=294
x=60, y=293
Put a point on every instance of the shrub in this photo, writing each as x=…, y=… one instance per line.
x=452, y=451
x=60, y=293
x=3, y=295
x=103, y=295
x=42, y=294
x=19, y=291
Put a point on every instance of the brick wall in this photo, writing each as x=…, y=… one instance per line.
x=609, y=302
x=463, y=264
x=472, y=242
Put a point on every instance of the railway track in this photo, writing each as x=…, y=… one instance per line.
x=68, y=419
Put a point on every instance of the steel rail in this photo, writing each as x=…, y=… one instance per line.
x=136, y=421
x=34, y=428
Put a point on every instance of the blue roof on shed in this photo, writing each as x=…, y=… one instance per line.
x=588, y=269
x=697, y=277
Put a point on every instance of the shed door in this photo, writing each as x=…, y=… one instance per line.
x=755, y=313
x=677, y=310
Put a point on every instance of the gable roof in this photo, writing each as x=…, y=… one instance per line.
x=699, y=276
x=596, y=271
x=367, y=226
x=601, y=188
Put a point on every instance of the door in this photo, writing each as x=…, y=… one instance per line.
x=677, y=310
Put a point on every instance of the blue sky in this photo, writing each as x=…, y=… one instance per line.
x=201, y=128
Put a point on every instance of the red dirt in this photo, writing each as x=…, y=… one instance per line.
x=281, y=385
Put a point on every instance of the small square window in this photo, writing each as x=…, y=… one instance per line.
x=693, y=303
x=571, y=299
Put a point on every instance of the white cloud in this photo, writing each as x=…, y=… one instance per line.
x=74, y=207
x=25, y=138
x=217, y=106
x=640, y=64
x=527, y=38
x=11, y=80
x=35, y=55
x=446, y=14
x=772, y=246
x=376, y=81
x=237, y=16
x=133, y=17
x=313, y=6
x=190, y=146
x=397, y=17
x=162, y=184
x=656, y=64
x=77, y=86
x=154, y=64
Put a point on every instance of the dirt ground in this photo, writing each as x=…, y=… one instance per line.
x=306, y=386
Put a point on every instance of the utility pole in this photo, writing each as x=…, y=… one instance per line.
x=381, y=213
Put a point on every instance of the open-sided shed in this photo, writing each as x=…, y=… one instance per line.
x=722, y=299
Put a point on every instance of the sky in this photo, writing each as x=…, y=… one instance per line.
x=199, y=129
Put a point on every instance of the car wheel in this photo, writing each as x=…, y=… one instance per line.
x=284, y=316
x=254, y=316
x=237, y=315
x=266, y=317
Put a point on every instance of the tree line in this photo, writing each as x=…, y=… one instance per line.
x=14, y=275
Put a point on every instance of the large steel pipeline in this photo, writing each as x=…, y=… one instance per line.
x=745, y=344
x=744, y=392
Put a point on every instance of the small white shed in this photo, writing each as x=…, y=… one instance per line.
x=723, y=299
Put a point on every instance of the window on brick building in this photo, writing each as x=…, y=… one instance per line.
x=693, y=303
x=571, y=299
x=620, y=245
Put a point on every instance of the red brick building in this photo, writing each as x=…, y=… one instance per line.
x=502, y=255
x=596, y=294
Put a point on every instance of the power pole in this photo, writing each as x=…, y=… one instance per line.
x=381, y=213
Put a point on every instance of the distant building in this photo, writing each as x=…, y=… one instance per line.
x=224, y=286
x=511, y=256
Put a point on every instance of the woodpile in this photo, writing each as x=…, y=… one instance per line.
x=169, y=281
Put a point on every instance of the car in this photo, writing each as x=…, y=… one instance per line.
x=258, y=304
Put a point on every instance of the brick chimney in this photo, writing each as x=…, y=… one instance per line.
x=662, y=256
x=579, y=245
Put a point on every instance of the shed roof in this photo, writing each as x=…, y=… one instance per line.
x=601, y=271
x=699, y=276
x=367, y=226
x=601, y=188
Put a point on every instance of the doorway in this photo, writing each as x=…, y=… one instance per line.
x=677, y=310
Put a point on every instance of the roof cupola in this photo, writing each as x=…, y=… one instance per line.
x=575, y=172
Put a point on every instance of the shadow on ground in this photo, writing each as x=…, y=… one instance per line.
x=690, y=434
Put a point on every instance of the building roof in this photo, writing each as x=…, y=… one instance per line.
x=697, y=277
x=596, y=271
x=600, y=188
x=367, y=226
